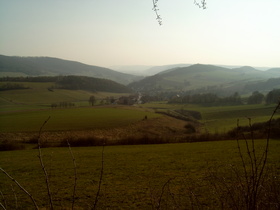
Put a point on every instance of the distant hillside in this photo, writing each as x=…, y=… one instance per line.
x=46, y=66
x=204, y=78
x=274, y=71
x=146, y=70
x=69, y=83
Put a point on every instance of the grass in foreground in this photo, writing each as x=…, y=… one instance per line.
x=133, y=177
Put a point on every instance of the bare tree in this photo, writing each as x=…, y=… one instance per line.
x=92, y=100
x=201, y=4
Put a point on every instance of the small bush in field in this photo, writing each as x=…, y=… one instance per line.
x=190, y=128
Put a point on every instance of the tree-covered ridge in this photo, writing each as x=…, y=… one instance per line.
x=90, y=84
x=74, y=83
x=47, y=66
x=200, y=78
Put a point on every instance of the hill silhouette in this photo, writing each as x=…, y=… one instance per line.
x=47, y=66
x=205, y=78
x=70, y=83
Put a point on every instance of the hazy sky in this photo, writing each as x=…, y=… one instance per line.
x=125, y=32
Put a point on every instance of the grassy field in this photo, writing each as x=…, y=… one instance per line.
x=38, y=99
x=133, y=176
x=38, y=96
x=222, y=118
x=214, y=119
x=71, y=119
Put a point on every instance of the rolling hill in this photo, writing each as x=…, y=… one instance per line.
x=205, y=78
x=47, y=66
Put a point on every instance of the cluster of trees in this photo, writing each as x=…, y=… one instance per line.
x=63, y=104
x=213, y=99
x=273, y=96
x=256, y=98
x=90, y=84
x=75, y=83
x=124, y=100
x=30, y=79
x=12, y=86
x=207, y=99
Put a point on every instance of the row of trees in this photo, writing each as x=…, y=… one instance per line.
x=207, y=99
x=12, y=86
x=63, y=104
x=235, y=99
x=271, y=98
x=71, y=83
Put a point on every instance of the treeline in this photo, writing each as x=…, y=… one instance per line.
x=235, y=99
x=75, y=83
x=63, y=104
x=90, y=84
x=260, y=130
x=30, y=79
x=12, y=86
x=207, y=99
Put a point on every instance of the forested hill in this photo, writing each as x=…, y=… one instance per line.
x=72, y=83
x=46, y=66
x=200, y=78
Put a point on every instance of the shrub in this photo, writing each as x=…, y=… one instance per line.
x=190, y=128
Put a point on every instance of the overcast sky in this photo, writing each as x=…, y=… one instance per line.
x=125, y=32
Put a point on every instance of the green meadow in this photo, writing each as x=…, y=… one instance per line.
x=133, y=176
x=71, y=119
x=220, y=119
x=39, y=96
x=160, y=176
x=28, y=108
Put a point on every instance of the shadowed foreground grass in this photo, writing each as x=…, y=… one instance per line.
x=135, y=177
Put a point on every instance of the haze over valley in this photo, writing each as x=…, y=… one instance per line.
x=197, y=78
x=134, y=104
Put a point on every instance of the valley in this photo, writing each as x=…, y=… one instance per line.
x=163, y=141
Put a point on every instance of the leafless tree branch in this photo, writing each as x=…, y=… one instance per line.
x=22, y=188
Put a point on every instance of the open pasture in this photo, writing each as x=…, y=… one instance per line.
x=222, y=118
x=41, y=95
x=133, y=176
x=71, y=119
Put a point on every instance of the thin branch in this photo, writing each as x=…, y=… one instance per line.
x=75, y=171
x=267, y=144
x=43, y=166
x=162, y=191
x=2, y=206
x=202, y=4
x=100, y=178
x=5, y=204
x=22, y=188
x=15, y=196
x=240, y=153
x=156, y=9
